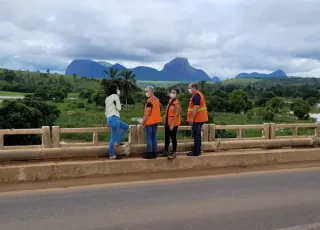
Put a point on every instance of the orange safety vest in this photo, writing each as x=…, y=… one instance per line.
x=171, y=112
x=202, y=114
x=155, y=114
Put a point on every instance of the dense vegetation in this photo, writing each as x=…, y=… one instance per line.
x=71, y=101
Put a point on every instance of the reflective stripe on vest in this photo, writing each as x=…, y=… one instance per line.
x=199, y=109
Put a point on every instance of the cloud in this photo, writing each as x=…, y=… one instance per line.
x=221, y=37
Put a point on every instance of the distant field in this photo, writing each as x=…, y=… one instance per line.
x=241, y=81
x=13, y=94
x=76, y=83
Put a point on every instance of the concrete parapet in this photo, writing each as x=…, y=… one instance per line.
x=75, y=169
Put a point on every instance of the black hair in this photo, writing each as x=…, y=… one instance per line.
x=112, y=89
x=177, y=90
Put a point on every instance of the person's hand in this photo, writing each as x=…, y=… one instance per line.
x=190, y=121
x=171, y=127
x=107, y=125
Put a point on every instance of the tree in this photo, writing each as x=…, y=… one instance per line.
x=300, y=108
x=202, y=85
x=239, y=101
x=128, y=84
x=8, y=75
x=48, y=71
x=276, y=103
x=26, y=113
x=112, y=73
x=268, y=113
x=312, y=101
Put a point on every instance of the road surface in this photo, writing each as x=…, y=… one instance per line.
x=282, y=200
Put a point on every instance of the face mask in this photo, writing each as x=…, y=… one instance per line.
x=173, y=95
x=190, y=90
x=147, y=94
x=118, y=92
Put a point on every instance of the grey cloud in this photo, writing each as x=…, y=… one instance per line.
x=221, y=37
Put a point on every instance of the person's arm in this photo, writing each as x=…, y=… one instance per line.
x=196, y=104
x=118, y=104
x=176, y=115
x=147, y=113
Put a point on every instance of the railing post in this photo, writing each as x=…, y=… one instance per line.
x=296, y=131
x=133, y=135
x=95, y=137
x=55, y=136
x=266, y=131
x=141, y=134
x=46, y=137
x=317, y=130
x=239, y=133
x=212, y=132
x=272, y=130
x=205, y=130
x=1, y=141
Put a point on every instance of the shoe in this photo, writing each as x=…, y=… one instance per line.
x=116, y=145
x=149, y=156
x=115, y=158
x=146, y=155
x=163, y=154
x=172, y=155
x=154, y=155
x=192, y=154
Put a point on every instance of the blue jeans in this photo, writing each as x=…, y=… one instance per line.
x=196, y=133
x=151, y=132
x=115, y=124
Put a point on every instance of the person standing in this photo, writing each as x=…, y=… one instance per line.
x=151, y=119
x=172, y=121
x=113, y=107
x=197, y=115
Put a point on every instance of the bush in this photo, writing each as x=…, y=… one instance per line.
x=81, y=106
x=301, y=109
x=268, y=113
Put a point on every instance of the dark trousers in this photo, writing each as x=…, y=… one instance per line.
x=171, y=134
x=151, y=132
x=196, y=133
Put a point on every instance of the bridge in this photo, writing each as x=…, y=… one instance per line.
x=56, y=159
x=281, y=200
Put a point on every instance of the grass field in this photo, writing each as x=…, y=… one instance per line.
x=12, y=94
x=93, y=116
x=240, y=81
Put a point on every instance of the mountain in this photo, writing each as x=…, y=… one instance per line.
x=215, y=79
x=276, y=74
x=86, y=68
x=104, y=63
x=179, y=69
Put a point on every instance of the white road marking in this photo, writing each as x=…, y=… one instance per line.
x=303, y=227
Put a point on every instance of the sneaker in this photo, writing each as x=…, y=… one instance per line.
x=163, y=154
x=115, y=158
x=172, y=155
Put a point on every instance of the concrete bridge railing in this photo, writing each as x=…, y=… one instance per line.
x=52, y=147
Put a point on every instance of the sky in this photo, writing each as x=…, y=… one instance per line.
x=222, y=37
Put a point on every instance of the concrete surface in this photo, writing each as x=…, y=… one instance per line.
x=41, y=171
x=257, y=201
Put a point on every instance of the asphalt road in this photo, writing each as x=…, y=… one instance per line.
x=274, y=200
